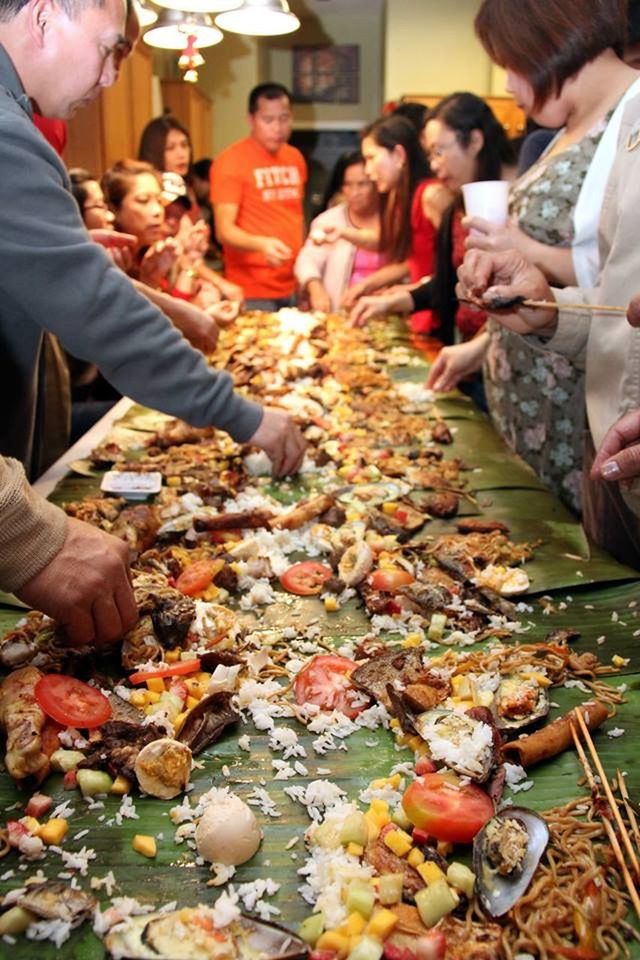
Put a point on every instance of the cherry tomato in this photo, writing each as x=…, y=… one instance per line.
x=325, y=682
x=451, y=814
x=306, y=578
x=71, y=702
x=390, y=579
x=178, y=669
x=197, y=576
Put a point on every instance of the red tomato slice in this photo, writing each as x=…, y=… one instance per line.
x=388, y=580
x=197, y=576
x=71, y=702
x=180, y=668
x=447, y=813
x=325, y=682
x=306, y=578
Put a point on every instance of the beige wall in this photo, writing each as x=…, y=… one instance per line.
x=231, y=69
x=430, y=47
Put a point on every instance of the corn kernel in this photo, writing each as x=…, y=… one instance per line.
x=155, y=685
x=430, y=872
x=398, y=841
x=415, y=858
x=381, y=924
x=54, y=831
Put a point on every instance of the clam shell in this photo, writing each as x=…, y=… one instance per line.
x=459, y=741
x=167, y=936
x=519, y=702
x=498, y=893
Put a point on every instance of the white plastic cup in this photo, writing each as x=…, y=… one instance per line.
x=488, y=199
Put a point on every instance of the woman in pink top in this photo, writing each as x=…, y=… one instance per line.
x=329, y=263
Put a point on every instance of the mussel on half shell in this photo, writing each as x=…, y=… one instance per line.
x=190, y=934
x=519, y=702
x=506, y=854
x=463, y=744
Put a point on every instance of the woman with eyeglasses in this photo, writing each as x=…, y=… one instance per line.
x=464, y=142
x=564, y=68
x=324, y=271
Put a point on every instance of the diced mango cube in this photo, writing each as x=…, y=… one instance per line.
x=415, y=858
x=411, y=640
x=172, y=656
x=155, y=684
x=138, y=698
x=355, y=849
x=381, y=924
x=191, y=702
x=374, y=828
x=331, y=604
x=54, y=831
x=144, y=844
x=121, y=786
x=390, y=507
x=194, y=687
x=380, y=810
x=354, y=925
x=430, y=872
x=152, y=695
x=32, y=825
x=398, y=841
x=178, y=722
x=332, y=940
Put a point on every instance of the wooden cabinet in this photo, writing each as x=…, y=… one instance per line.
x=507, y=111
x=193, y=108
x=109, y=128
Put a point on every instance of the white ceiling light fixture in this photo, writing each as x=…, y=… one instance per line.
x=200, y=6
x=260, y=18
x=146, y=16
x=174, y=27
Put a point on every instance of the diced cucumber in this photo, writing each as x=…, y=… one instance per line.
x=461, y=877
x=390, y=888
x=399, y=816
x=311, y=928
x=360, y=898
x=435, y=902
x=366, y=949
x=15, y=920
x=65, y=760
x=326, y=836
x=436, y=627
x=92, y=782
x=355, y=829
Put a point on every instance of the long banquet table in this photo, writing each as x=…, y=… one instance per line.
x=574, y=585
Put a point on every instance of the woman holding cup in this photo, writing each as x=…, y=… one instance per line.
x=563, y=65
x=465, y=143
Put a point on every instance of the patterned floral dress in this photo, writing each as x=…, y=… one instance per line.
x=535, y=396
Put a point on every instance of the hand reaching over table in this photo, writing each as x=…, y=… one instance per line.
x=487, y=278
x=397, y=300
x=86, y=587
x=455, y=362
x=281, y=440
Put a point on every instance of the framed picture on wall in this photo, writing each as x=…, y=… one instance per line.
x=326, y=74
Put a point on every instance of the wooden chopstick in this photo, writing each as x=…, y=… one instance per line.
x=608, y=792
x=589, y=307
x=624, y=793
x=613, y=840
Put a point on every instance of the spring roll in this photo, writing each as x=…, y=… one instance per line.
x=555, y=737
x=303, y=512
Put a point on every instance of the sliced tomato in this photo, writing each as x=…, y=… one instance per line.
x=306, y=578
x=197, y=576
x=71, y=702
x=452, y=814
x=388, y=580
x=325, y=682
x=177, y=669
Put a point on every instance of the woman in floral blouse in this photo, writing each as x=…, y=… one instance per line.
x=563, y=65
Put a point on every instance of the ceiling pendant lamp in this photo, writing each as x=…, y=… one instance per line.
x=146, y=16
x=174, y=28
x=259, y=18
x=200, y=6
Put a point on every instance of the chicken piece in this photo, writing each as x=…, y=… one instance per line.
x=421, y=697
x=23, y=720
x=137, y=526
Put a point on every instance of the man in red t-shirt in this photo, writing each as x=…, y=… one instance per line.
x=257, y=185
